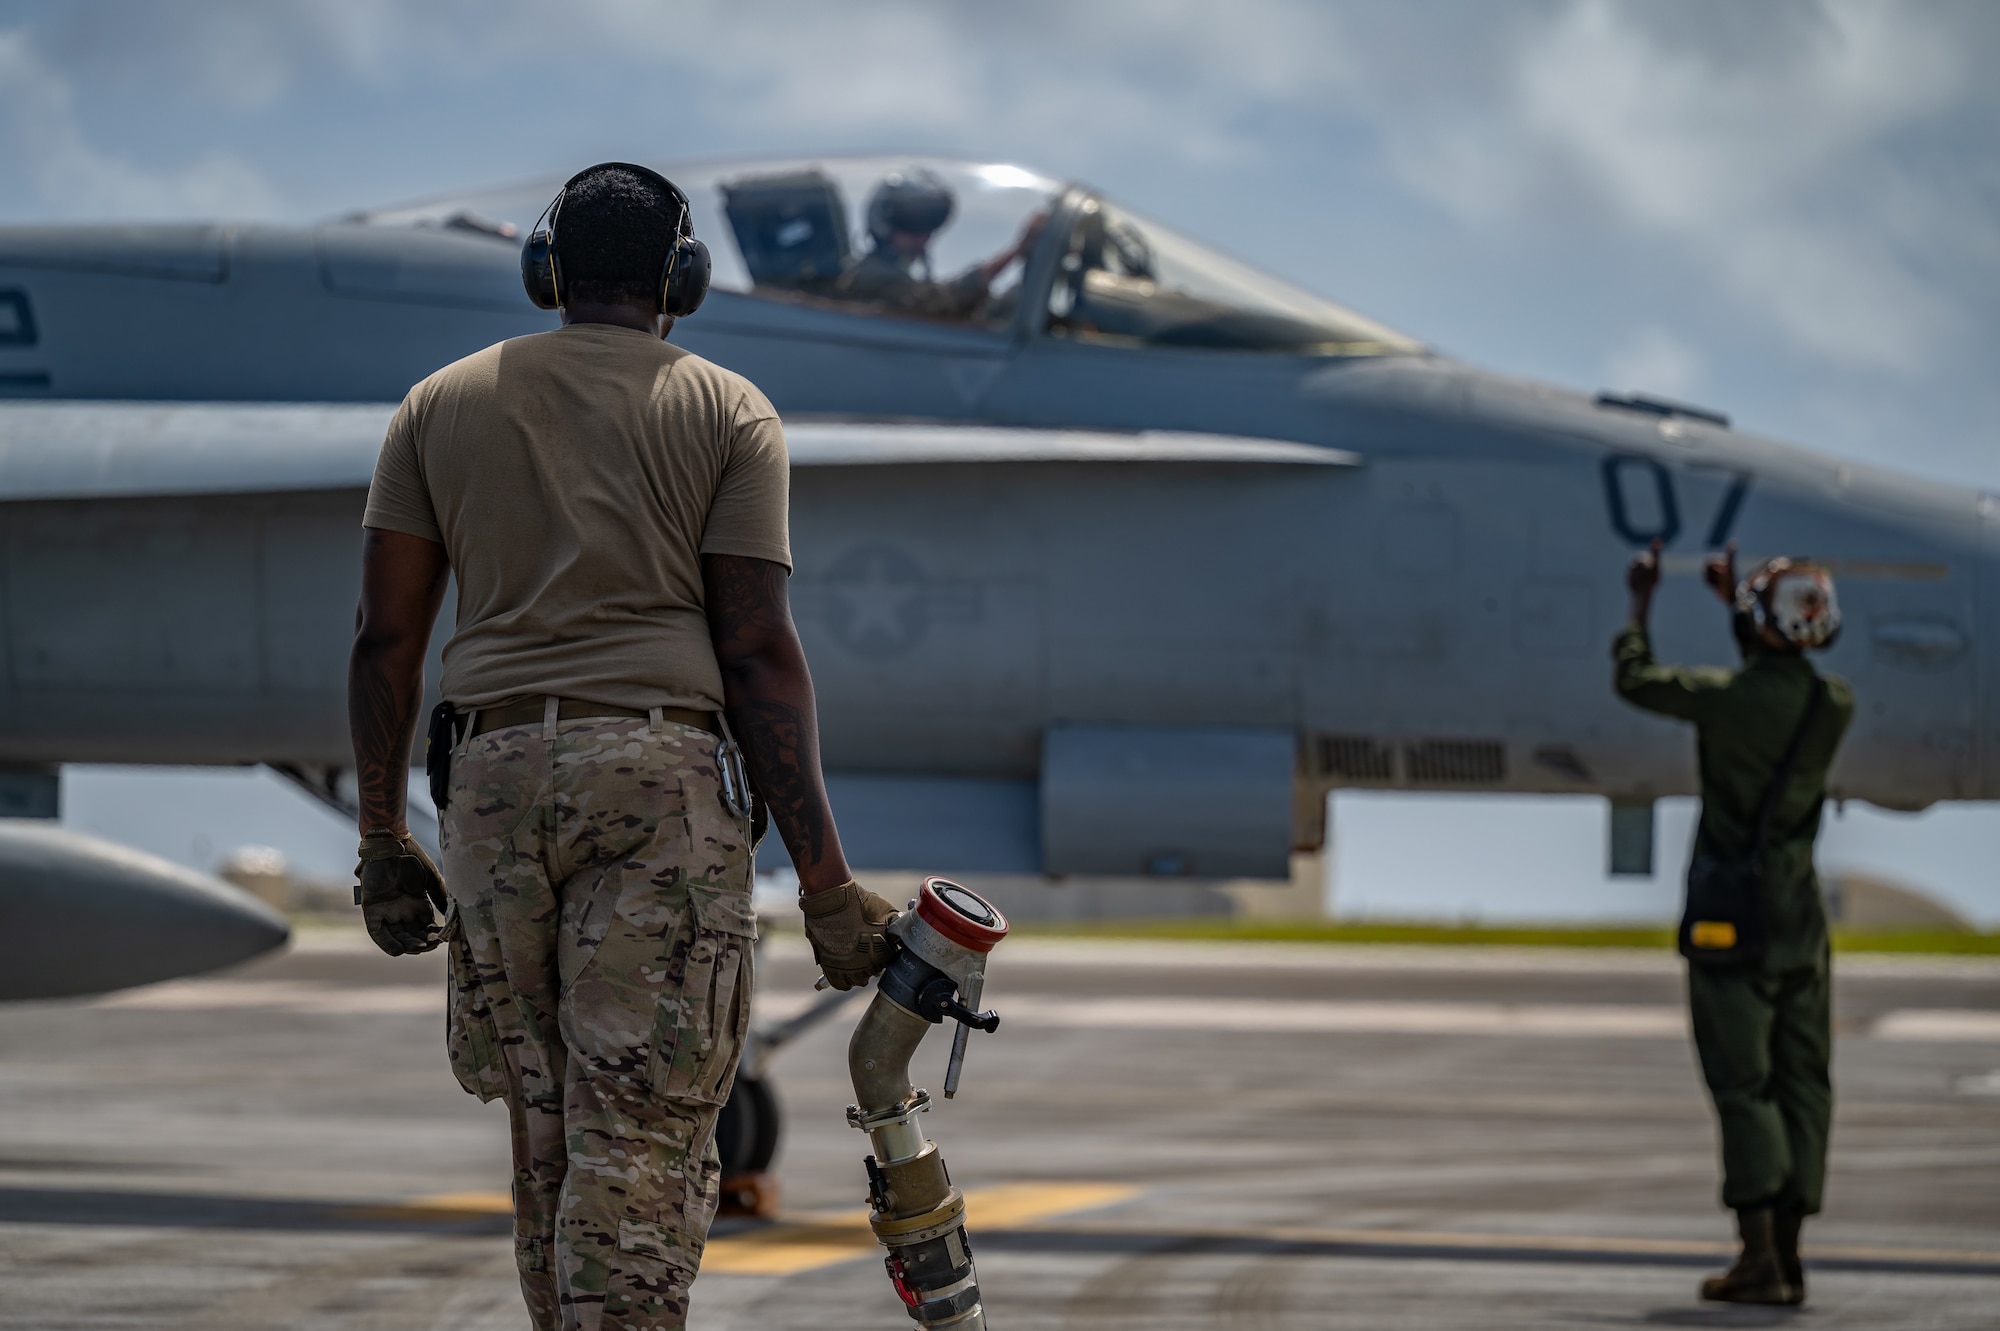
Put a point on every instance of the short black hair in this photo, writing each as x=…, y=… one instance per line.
x=613, y=235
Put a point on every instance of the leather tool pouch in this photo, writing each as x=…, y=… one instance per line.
x=1723, y=923
x=446, y=730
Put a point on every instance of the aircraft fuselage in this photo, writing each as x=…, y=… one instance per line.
x=1434, y=616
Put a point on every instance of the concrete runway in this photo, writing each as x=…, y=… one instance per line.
x=1160, y=1136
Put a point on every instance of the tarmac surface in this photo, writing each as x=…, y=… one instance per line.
x=1160, y=1136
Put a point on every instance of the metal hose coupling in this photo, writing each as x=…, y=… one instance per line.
x=914, y=1210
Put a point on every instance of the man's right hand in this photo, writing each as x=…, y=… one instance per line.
x=400, y=893
x=1640, y=579
x=1644, y=573
x=845, y=926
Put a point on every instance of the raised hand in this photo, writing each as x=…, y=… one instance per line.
x=1720, y=574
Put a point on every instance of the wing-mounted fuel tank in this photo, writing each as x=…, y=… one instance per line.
x=914, y=1210
x=83, y=916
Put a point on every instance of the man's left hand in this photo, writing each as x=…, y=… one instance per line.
x=400, y=892
x=847, y=927
x=1720, y=574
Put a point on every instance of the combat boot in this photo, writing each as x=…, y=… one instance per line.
x=1785, y=1226
x=1757, y=1276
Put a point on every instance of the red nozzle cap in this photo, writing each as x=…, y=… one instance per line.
x=960, y=914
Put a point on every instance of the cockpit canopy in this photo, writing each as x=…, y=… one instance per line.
x=965, y=243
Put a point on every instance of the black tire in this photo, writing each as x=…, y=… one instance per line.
x=748, y=1127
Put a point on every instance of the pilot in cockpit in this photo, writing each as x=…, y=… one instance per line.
x=906, y=210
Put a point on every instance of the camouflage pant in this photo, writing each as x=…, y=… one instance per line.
x=600, y=984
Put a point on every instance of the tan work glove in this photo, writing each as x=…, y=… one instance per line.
x=844, y=925
x=400, y=893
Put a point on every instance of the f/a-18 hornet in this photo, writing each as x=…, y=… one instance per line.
x=1115, y=555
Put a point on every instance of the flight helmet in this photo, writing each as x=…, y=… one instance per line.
x=1791, y=602
x=914, y=199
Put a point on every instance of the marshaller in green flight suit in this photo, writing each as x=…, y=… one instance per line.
x=1762, y=1028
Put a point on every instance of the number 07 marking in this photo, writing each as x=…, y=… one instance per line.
x=1639, y=496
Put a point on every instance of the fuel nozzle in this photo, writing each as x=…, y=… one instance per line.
x=938, y=973
x=950, y=929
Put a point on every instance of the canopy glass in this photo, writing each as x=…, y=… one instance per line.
x=948, y=241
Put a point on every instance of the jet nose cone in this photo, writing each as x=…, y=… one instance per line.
x=79, y=915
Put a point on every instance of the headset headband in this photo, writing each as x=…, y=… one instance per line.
x=683, y=227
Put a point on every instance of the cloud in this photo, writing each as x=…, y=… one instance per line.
x=248, y=55
x=1099, y=78
x=1654, y=360
x=44, y=144
x=1160, y=76
x=1763, y=143
x=1803, y=160
x=1729, y=159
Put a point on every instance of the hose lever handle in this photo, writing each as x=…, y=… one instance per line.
x=974, y=985
x=988, y=1021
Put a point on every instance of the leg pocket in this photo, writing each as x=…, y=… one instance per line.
x=647, y=1284
x=703, y=1021
x=470, y=1032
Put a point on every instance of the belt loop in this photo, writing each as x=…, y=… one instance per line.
x=471, y=720
x=549, y=706
x=655, y=719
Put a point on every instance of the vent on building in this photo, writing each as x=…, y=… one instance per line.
x=1355, y=758
x=1455, y=762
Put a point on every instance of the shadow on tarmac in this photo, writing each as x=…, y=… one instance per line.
x=91, y=1206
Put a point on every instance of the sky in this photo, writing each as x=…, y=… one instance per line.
x=1788, y=211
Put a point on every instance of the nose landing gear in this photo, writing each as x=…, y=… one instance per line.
x=749, y=1125
x=746, y=1138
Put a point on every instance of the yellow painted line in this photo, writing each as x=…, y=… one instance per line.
x=1012, y=1205
x=784, y=1249
x=1416, y=1238
x=439, y=1206
x=806, y=1243
x=485, y=1203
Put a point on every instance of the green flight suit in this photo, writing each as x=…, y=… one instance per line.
x=1763, y=1030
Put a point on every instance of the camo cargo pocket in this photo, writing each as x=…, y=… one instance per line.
x=704, y=1020
x=470, y=1032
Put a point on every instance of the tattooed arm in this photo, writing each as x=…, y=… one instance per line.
x=402, y=585
x=768, y=695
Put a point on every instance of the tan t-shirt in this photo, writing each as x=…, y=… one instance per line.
x=575, y=478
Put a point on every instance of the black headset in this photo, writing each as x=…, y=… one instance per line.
x=683, y=282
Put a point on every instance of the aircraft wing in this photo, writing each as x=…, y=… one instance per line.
x=106, y=450
x=887, y=443
x=78, y=450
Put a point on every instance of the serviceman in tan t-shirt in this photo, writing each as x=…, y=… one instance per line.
x=614, y=509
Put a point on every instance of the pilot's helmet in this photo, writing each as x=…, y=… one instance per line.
x=914, y=199
x=1791, y=601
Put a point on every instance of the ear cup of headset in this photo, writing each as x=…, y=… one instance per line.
x=683, y=282
x=538, y=268
x=686, y=281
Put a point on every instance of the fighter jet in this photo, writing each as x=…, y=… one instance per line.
x=1112, y=550
x=1115, y=555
